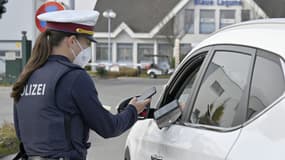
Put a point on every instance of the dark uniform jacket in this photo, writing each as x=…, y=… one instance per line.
x=58, y=107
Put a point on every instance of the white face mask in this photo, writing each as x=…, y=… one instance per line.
x=83, y=57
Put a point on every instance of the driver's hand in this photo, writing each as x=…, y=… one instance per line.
x=140, y=106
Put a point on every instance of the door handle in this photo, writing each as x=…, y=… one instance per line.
x=156, y=157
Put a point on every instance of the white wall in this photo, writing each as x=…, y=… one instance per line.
x=20, y=16
x=16, y=19
x=81, y=4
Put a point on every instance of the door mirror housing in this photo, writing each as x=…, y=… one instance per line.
x=168, y=114
x=146, y=113
x=123, y=104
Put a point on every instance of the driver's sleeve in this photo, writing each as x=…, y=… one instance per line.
x=95, y=116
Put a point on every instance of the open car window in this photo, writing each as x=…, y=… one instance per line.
x=182, y=87
x=186, y=90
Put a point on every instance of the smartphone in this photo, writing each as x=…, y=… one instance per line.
x=147, y=94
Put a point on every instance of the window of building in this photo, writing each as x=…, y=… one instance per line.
x=125, y=52
x=227, y=17
x=10, y=54
x=220, y=94
x=102, y=52
x=165, y=53
x=2, y=68
x=184, y=50
x=245, y=15
x=267, y=82
x=207, y=21
x=143, y=51
x=189, y=21
x=2, y=54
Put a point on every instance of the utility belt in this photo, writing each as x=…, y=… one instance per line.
x=23, y=156
x=41, y=158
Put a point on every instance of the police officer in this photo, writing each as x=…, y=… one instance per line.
x=56, y=102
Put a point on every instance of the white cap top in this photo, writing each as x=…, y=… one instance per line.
x=84, y=17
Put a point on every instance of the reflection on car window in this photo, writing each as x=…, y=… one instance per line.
x=267, y=83
x=186, y=89
x=220, y=93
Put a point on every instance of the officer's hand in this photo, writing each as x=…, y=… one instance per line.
x=140, y=105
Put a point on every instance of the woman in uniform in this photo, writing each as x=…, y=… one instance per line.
x=55, y=100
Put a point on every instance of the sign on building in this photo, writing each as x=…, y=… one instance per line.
x=219, y=2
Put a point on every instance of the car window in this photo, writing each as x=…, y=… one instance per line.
x=267, y=82
x=219, y=96
x=182, y=86
x=185, y=91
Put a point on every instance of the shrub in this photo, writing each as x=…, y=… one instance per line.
x=128, y=72
x=8, y=140
x=88, y=68
x=101, y=71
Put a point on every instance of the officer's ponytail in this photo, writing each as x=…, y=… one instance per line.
x=41, y=51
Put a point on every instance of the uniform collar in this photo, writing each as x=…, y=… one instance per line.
x=58, y=57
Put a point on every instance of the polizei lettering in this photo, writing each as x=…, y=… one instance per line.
x=34, y=90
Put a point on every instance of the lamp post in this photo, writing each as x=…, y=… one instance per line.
x=109, y=14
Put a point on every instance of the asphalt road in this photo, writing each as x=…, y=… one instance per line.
x=111, y=92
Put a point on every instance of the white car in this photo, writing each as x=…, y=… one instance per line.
x=159, y=69
x=225, y=101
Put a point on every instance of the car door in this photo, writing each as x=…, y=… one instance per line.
x=263, y=135
x=145, y=139
x=214, y=109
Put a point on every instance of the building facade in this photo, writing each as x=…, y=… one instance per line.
x=182, y=24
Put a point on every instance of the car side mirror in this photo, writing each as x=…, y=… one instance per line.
x=123, y=104
x=147, y=113
x=168, y=114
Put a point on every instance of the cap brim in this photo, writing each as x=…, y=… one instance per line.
x=91, y=38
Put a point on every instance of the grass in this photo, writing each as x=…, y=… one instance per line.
x=8, y=140
x=5, y=84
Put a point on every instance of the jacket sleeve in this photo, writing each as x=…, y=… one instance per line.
x=95, y=115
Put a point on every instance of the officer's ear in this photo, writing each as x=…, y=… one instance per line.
x=71, y=40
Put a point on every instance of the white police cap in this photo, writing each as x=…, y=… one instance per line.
x=72, y=21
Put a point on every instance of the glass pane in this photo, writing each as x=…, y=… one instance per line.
x=2, y=67
x=245, y=15
x=219, y=96
x=125, y=53
x=165, y=53
x=189, y=21
x=267, y=84
x=207, y=21
x=102, y=52
x=3, y=54
x=184, y=50
x=227, y=17
x=143, y=51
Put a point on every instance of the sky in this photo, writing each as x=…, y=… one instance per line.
x=81, y=4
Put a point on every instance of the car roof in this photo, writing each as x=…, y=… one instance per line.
x=266, y=34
